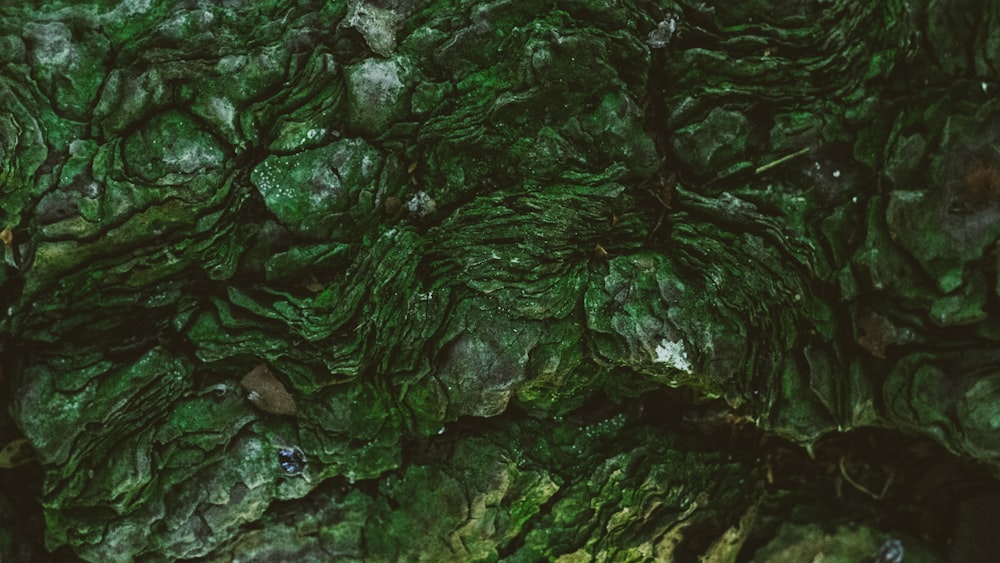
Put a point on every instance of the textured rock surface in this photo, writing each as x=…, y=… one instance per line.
x=504, y=257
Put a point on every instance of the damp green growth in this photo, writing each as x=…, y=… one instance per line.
x=306, y=280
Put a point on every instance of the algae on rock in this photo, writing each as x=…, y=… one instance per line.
x=476, y=242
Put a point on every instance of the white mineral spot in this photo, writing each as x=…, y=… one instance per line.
x=660, y=37
x=377, y=25
x=190, y=158
x=231, y=64
x=379, y=79
x=836, y=173
x=326, y=184
x=130, y=7
x=674, y=354
x=52, y=45
x=375, y=87
x=223, y=110
x=421, y=204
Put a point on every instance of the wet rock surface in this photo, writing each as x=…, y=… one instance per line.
x=529, y=280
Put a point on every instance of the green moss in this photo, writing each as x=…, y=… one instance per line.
x=476, y=219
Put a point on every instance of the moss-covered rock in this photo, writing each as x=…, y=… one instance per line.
x=475, y=244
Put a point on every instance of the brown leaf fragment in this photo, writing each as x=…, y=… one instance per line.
x=266, y=392
x=312, y=283
x=16, y=453
x=879, y=332
x=392, y=205
x=981, y=184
